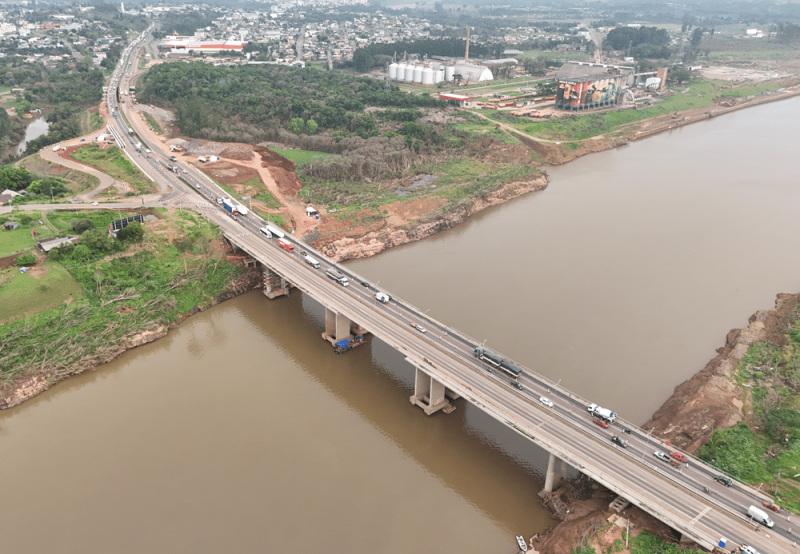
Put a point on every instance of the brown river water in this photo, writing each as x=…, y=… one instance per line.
x=242, y=432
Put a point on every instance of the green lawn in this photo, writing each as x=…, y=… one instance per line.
x=61, y=219
x=153, y=123
x=24, y=295
x=20, y=239
x=301, y=157
x=113, y=162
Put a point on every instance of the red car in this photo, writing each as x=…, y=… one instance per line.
x=601, y=422
x=774, y=507
x=680, y=457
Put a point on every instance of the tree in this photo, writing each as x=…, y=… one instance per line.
x=296, y=125
x=81, y=225
x=311, y=127
x=97, y=240
x=680, y=74
x=26, y=259
x=132, y=232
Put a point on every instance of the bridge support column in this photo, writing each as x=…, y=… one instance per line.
x=274, y=285
x=339, y=327
x=556, y=471
x=429, y=394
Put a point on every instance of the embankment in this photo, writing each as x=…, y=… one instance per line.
x=377, y=241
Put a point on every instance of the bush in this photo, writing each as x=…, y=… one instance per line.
x=133, y=232
x=81, y=225
x=25, y=219
x=26, y=259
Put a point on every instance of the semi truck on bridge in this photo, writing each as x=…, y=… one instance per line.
x=493, y=359
x=337, y=276
x=608, y=415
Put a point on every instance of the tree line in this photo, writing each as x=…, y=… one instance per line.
x=223, y=101
x=378, y=54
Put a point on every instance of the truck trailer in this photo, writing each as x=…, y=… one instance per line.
x=337, y=276
x=275, y=231
x=241, y=209
x=311, y=261
x=228, y=205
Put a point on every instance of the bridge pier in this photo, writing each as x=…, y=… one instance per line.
x=554, y=476
x=274, y=284
x=429, y=394
x=339, y=327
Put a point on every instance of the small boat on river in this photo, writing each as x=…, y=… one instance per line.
x=522, y=544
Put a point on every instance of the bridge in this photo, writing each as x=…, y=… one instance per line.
x=686, y=498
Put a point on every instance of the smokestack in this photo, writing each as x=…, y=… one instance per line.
x=466, y=54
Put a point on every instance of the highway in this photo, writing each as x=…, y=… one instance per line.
x=676, y=496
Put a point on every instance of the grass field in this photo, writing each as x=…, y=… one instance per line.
x=301, y=157
x=20, y=239
x=113, y=161
x=25, y=295
x=77, y=181
x=100, y=218
x=153, y=123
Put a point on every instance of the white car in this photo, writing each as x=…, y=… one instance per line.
x=95, y=203
x=546, y=401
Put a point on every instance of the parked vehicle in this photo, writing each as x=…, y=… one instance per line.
x=679, y=456
x=286, y=245
x=311, y=261
x=608, y=415
x=601, y=422
x=337, y=276
x=760, y=516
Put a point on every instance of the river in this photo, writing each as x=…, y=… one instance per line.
x=35, y=129
x=241, y=431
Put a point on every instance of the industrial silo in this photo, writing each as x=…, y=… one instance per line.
x=409, y=74
x=438, y=75
x=449, y=71
x=418, y=74
x=427, y=76
x=401, y=72
x=393, y=71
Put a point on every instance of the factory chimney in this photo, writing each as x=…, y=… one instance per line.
x=466, y=54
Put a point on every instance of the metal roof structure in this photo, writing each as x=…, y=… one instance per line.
x=583, y=72
x=118, y=224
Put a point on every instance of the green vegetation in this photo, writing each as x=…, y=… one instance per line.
x=770, y=374
x=153, y=123
x=301, y=157
x=22, y=295
x=148, y=289
x=21, y=238
x=275, y=219
x=248, y=103
x=647, y=543
x=114, y=162
x=65, y=220
x=76, y=181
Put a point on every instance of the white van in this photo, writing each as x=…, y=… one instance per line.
x=382, y=297
x=760, y=516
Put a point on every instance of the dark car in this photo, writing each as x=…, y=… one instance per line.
x=364, y=284
x=722, y=480
x=616, y=440
x=519, y=386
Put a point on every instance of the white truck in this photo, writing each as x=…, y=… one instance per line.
x=266, y=232
x=241, y=209
x=311, y=261
x=597, y=411
x=275, y=231
x=337, y=276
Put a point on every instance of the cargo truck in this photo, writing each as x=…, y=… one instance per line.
x=228, y=205
x=311, y=261
x=337, y=276
x=241, y=209
x=286, y=245
x=608, y=415
x=496, y=361
x=275, y=231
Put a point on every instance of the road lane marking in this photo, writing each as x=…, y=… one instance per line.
x=701, y=514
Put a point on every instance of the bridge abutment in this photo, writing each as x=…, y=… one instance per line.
x=429, y=394
x=340, y=327
x=274, y=284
